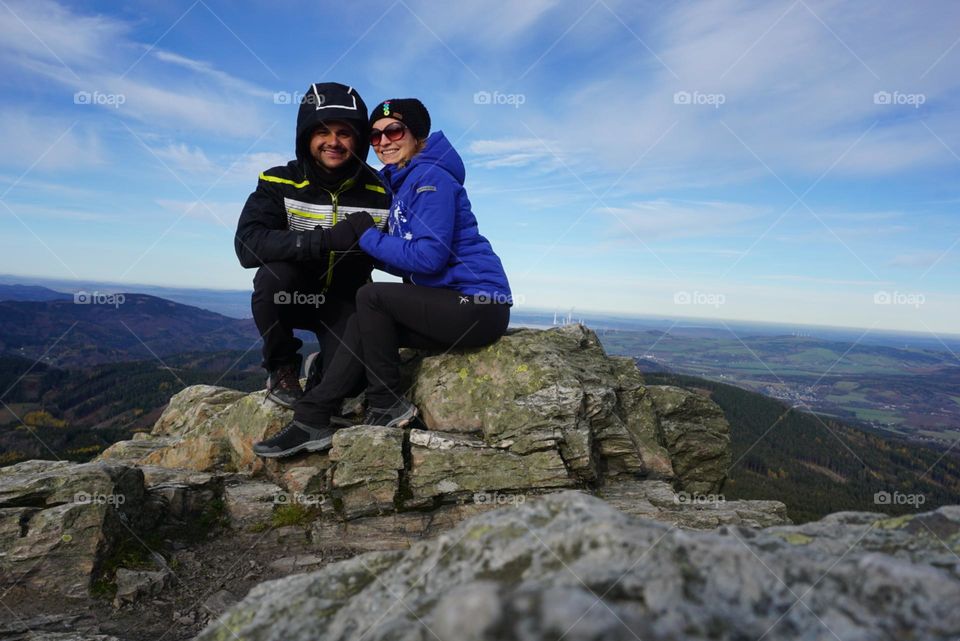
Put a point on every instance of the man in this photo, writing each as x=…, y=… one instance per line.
x=293, y=230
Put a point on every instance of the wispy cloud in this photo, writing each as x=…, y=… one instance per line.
x=512, y=153
x=677, y=219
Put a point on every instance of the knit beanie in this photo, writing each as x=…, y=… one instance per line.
x=409, y=111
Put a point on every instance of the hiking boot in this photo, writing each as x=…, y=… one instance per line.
x=295, y=437
x=400, y=414
x=283, y=386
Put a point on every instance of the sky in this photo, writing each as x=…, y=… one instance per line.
x=787, y=161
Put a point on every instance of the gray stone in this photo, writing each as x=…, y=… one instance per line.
x=133, y=585
x=572, y=566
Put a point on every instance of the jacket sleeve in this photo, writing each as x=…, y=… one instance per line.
x=262, y=234
x=432, y=215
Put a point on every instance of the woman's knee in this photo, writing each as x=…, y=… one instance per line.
x=371, y=295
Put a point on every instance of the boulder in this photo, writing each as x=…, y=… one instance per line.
x=366, y=476
x=65, y=525
x=537, y=411
x=571, y=566
x=60, y=520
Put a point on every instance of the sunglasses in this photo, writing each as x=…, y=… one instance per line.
x=394, y=132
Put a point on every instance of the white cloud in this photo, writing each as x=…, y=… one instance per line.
x=187, y=159
x=514, y=152
x=207, y=69
x=796, y=97
x=49, y=31
x=45, y=143
x=97, y=55
x=675, y=219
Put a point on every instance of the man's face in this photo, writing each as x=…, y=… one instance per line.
x=333, y=144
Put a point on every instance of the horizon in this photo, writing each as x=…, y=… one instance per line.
x=789, y=163
x=580, y=313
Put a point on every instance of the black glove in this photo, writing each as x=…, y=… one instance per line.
x=361, y=221
x=339, y=238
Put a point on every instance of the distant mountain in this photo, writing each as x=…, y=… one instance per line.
x=100, y=328
x=234, y=303
x=31, y=293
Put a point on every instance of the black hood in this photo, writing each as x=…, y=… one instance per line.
x=331, y=101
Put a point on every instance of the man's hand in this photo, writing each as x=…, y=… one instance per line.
x=340, y=238
x=361, y=222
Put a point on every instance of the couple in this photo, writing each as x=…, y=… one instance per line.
x=316, y=227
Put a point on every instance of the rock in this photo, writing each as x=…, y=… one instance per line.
x=292, y=564
x=393, y=531
x=207, y=428
x=51, y=627
x=657, y=500
x=696, y=435
x=219, y=602
x=60, y=520
x=185, y=495
x=537, y=411
x=368, y=461
x=67, y=636
x=571, y=566
x=135, y=584
x=65, y=525
x=193, y=407
x=250, y=503
x=448, y=465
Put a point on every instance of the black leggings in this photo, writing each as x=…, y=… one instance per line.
x=277, y=288
x=390, y=316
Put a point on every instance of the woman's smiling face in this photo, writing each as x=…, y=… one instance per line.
x=395, y=152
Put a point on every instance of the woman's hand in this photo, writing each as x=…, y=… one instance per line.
x=361, y=222
x=340, y=238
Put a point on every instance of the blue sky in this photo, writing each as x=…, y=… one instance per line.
x=778, y=161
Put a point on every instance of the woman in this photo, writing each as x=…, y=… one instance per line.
x=454, y=293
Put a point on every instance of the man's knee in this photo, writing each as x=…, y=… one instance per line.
x=277, y=276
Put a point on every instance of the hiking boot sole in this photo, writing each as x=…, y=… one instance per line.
x=309, y=446
x=276, y=400
x=404, y=419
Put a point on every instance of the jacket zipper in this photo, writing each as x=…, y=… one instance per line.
x=334, y=198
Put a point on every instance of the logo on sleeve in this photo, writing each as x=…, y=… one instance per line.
x=426, y=188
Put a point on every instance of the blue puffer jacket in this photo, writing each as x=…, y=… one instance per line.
x=432, y=237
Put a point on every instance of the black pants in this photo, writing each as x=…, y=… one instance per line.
x=390, y=316
x=288, y=296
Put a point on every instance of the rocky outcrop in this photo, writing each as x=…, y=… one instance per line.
x=535, y=412
x=571, y=566
x=65, y=525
